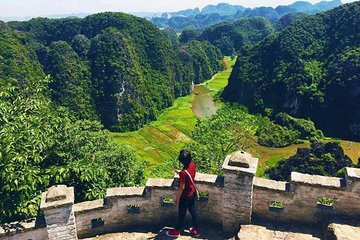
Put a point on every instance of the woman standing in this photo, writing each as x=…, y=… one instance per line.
x=185, y=196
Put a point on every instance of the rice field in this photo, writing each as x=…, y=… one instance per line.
x=161, y=140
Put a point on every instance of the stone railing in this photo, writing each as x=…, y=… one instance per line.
x=231, y=200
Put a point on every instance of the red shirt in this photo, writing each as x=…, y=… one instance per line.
x=189, y=190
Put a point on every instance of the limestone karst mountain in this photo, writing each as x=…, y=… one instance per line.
x=310, y=69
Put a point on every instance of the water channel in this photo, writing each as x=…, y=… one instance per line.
x=203, y=104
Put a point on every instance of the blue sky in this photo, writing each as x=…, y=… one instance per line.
x=22, y=8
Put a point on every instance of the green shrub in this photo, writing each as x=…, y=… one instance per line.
x=274, y=135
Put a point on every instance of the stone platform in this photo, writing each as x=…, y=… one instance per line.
x=247, y=232
x=145, y=234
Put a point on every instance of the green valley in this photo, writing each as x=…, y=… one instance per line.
x=161, y=140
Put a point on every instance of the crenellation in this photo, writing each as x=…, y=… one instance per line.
x=125, y=192
x=159, y=183
x=216, y=180
x=89, y=206
x=273, y=185
x=315, y=180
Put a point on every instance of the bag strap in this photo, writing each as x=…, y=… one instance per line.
x=190, y=177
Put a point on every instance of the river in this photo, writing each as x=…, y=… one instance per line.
x=203, y=104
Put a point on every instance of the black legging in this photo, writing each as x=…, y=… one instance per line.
x=184, y=205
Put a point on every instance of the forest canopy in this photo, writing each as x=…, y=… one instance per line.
x=114, y=67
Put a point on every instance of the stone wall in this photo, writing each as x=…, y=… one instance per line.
x=112, y=212
x=300, y=197
x=233, y=199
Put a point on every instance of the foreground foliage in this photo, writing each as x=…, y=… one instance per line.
x=41, y=146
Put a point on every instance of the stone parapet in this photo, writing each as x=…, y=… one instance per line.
x=230, y=201
x=126, y=207
x=304, y=198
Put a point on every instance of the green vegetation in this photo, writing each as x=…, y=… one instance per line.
x=276, y=204
x=326, y=201
x=168, y=200
x=162, y=139
x=202, y=57
x=309, y=70
x=232, y=128
x=71, y=84
x=274, y=135
x=219, y=81
x=289, y=19
x=286, y=130
x=114, y=67
x=122, y=71
x=219, y=135
x=17, y=64
x=159, y=142
x=230, y=37
x=41, y=146
x=326, y=159
x=204, y=195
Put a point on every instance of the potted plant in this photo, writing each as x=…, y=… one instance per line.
x=167, y=202
x=203, y=196
x=325, y=203
x=276, y=206
x=133, y=208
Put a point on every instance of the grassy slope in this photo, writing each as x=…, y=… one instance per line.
x=162, y=139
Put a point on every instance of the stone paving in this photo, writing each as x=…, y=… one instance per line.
x=161, y=235
x=247, y=232
x=254, y=232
